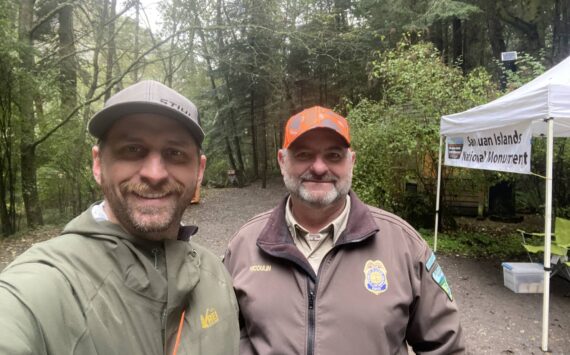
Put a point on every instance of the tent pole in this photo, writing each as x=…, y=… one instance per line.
x=437, y=194
x=547, y=232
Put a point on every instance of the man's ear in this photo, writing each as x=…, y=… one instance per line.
x=201, y=169
x=96, y=167
x=281, y=153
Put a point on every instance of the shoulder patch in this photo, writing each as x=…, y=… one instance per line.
x=430, y=261
x=375, y=279
x=439, y=277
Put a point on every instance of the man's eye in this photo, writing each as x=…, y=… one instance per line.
x=175, y=155
x=131, y=150
x=334, y=156
x=303, y=156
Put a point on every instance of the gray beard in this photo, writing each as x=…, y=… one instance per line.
x=296, y=188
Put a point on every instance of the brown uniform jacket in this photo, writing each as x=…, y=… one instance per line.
x=378, y=288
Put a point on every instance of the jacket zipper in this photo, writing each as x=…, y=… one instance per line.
x=163, y=317
x=156, y=253
x=311, y=287
x=163, y=322
x=312, y=295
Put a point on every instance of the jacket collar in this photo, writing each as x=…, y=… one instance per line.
x=276, y=240
x=182, y=261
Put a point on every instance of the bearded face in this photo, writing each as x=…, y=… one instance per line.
x=317, y=168
x=297, y=186
x=147, y=210
x=148, y=169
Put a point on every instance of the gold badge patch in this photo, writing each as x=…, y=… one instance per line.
x=375, y=279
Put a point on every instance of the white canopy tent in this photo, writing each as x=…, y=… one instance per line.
x=544, y=105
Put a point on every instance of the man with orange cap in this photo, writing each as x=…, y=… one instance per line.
x=323, y=273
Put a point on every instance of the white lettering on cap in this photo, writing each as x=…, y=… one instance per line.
x=176, y=106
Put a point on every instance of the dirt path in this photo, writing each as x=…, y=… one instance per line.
x=495, y=320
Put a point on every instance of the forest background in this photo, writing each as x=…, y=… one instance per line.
x=392, y=67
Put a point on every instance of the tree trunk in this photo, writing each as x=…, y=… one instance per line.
x=561, y=31
x=528, y=28
x=263, y=134
x=457, y=38
x=111, y=51
x=436, y=35
x=255, y=167
x=241, y=166
x=227, y=142
x=27, y=118
x=68, y=89
x=137, y=44
x=7, y=180
x=494, y=29
x=446, y=53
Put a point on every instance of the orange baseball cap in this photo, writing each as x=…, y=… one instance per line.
x=315, y=117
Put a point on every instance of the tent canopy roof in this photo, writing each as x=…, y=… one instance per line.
x=547, y=96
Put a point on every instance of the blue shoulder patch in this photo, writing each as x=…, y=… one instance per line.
x=430, y=261
x=440, y=279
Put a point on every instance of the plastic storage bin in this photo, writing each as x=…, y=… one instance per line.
x=523, y=277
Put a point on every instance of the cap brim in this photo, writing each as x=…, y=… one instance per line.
x=100, y=123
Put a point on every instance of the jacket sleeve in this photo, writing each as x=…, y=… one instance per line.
x=39, y=313
x=19, y=331
x=434, y=326
x=245, y=346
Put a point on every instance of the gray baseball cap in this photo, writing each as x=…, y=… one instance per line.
x=147, y=96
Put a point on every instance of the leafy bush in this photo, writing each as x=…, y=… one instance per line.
x=397, y=137
x=477, y=244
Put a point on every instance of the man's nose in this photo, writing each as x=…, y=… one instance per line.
x=154, y=169
x=319, y=166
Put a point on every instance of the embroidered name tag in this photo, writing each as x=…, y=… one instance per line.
x=260, y=267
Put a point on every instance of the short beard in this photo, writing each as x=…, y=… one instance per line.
x=295, y=187
x=132, y=217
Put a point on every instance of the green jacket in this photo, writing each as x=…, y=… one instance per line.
x=97, y=290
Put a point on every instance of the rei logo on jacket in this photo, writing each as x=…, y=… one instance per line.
x=209, y=319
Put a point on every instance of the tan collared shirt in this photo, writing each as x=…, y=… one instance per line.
x=315, y=246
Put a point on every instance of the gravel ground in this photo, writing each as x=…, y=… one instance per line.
x=495, y=320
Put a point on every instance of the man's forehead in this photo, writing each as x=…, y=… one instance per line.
x=137, y=125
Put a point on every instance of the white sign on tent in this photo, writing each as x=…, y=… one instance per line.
x=544, y=103
x=501, y=149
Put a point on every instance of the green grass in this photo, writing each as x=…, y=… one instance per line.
x=477, y=244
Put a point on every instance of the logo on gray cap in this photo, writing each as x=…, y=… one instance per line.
x=147, y=97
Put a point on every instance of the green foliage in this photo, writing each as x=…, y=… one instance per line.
x=446, y=9
x=397, y=137
x=477, y=244
x=528, y=67
x=248, y=65
x=216, y=172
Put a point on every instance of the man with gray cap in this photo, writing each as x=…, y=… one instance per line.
x=123, y=278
